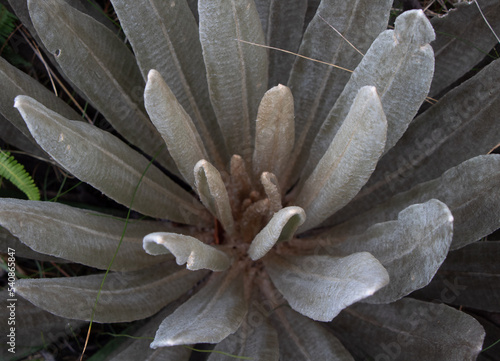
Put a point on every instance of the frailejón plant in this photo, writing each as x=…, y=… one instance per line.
x=325, y=199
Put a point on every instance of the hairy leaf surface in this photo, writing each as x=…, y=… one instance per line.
x=319, y=287
x=209, y=316
x=281, y=227
x=411, y=248
x=470, y=191
x=108, y=164
x=409, y=330
x=79, y=235
x=126, y=296
x=316, y=86
x=236, y=72
x=348, y=162
x=400, y=64
x=164, y=36
x=102, y=67
x=187, y=249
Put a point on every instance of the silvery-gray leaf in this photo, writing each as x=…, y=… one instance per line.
x=138, y=348
x=428, y=148
x=186, y=249
x=255, y=338
x=409, y=330
x=34, y=326
x=410, y=248
x=100, y=159
x=7, y=240
x=274, y=132
x=468, y=277
x=236, y=72
x=348, y=162
x=282, y=22
x=209, y=316
x=122, y=298
x=316, y=86
x=272, y=189
x=79, y=235
x=470, y=190
x=281, y=227
x=462, y=40
x=400, y=64
x=13, y=136
x=174, y=124
x=319, y=287
x=302, y=339
x=15, y=82
x=166, y=38
x=213, y=193
x=108, y=76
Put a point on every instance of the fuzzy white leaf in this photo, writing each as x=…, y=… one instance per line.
x=348, y=162
x=211, y=315
x=79, y=235
x=281, y=227
x=174, y=124
x=102, y=67
x=411, y=249
x=274, y=133
x=400, y=64
x=236, y=72
x=125, y=296
x=108, y=164
x=213, y=193
x=187, y=249
x=319, y=287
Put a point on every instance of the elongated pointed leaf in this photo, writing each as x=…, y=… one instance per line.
x=315, y=87
x=348, y=162
x=429, y=147
x=411, y=249
x=282, y=21
x=166, y=38
x=274, y=132
x=302, y=339
x=7, y=240
x=409, y=330
x=108, y=164
x=272, y=189
x=186, y=249
x=470, y=191
x=468, y=277
x=462, y=40
x=400, y=64
x=104, y=70
x=280, y=228
x=122, y=298
x=236, y=72
x=319, y=287
x=209, y=316
x=175, y=126
x=138, y=347
x=255, y=338
x=15, y=82
x=79, y=235
x=213, y=193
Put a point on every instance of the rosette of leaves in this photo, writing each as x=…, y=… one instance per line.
x=292, y=206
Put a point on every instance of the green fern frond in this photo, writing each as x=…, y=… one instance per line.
x=11, y=170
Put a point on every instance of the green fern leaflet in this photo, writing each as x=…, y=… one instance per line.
x=11, y=170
